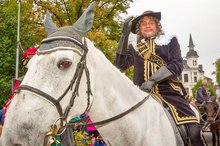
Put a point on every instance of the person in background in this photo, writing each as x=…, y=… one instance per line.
x=157, y=62
x=1, y=120
x=201, y=94
x=26, y=56
x=1, y=116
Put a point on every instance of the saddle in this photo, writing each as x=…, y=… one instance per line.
x=182, y=138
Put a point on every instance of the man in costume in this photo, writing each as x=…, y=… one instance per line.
x=157, y=62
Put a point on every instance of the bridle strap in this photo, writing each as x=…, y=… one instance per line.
x=42, y=94
x=81, y=66
x=217, y=113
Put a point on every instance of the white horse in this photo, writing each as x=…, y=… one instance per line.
x=50, y=71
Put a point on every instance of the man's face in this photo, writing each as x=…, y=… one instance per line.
x=148, y=27
x=204, y=86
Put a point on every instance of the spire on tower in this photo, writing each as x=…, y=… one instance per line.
x=191, y=52
x=191, y=45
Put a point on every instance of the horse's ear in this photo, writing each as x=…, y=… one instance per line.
x=49, y=24
x=85, y=22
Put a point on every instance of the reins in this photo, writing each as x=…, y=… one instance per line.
x=80, y=123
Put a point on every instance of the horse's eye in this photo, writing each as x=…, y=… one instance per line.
x=64, y=64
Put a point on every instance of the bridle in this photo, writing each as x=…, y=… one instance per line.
x=217, y=113
x=81, y=66
x=215, y=120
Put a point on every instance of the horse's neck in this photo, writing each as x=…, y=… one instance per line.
x=113, y=92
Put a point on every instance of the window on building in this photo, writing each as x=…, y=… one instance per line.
x=195, y=79
x=194, y=63
x=195, y=73
x=185, y=76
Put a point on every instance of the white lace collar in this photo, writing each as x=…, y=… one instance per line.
x=161, y=40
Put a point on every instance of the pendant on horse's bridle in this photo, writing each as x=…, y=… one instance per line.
x=56, y=130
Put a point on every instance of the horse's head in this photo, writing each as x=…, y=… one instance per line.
x=52, y=84
x=212, y=110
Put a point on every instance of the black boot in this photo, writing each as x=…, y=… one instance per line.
x=194, y=133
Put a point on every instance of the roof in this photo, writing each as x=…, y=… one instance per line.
x=192, y=53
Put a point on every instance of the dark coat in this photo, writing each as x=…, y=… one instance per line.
x=201, y=95
x=170, y=53
x=171, y=91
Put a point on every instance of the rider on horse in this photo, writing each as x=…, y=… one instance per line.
x=157, y=63
x=201, y=94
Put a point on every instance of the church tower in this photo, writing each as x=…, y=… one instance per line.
x=192, y=71
x=192, y=56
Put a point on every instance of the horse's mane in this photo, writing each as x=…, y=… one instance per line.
x=102, y=62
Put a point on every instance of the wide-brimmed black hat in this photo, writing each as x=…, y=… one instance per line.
x=157, y=15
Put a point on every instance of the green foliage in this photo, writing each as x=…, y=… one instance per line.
x=212, y=90
x=195, y=88
x=8, y=45
x=106, y=29
x=129, y=72
x=217, y=65
x=7, y=53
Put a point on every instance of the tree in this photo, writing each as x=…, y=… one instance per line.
x=217, y=65
x=8, y=33
x=196, y=87
x=106, y=28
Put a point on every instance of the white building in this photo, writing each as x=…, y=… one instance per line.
x=192, y=71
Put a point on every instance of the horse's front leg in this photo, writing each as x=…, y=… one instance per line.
x=213, y=131
x=217, y=132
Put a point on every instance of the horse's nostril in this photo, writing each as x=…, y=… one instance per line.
x=17, y=145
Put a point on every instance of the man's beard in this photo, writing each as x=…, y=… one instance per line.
x=149, y=35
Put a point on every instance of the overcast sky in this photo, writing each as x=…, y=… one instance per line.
x=201, y=18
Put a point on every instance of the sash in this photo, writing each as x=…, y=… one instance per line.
x=152, y=62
